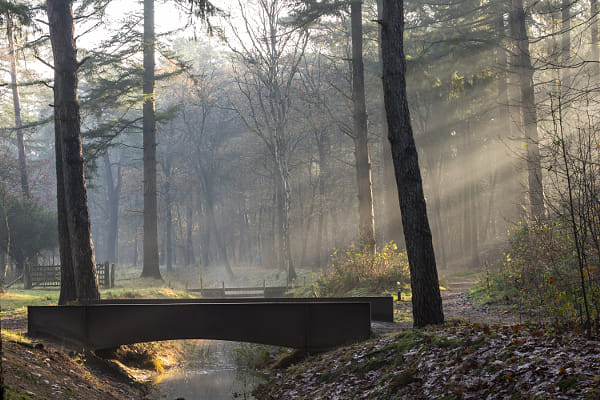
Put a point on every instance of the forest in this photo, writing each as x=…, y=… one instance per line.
x=244, y=143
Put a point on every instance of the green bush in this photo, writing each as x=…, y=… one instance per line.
x=540, y=274
x=354, y=272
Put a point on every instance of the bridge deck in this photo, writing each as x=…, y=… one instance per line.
x=310, y=326
x=382, y=307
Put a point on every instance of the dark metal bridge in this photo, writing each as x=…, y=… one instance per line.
x=309, y=324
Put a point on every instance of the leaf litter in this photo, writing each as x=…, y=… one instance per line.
x=457, y=361
x=494, y=359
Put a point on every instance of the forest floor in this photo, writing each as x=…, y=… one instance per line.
x=481, y=352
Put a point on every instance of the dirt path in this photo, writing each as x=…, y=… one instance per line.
x=456, y=306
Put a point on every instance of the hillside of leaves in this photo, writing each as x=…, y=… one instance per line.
x=456, y=361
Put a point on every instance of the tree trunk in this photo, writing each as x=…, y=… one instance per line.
x=17, y=106
x=135, y=250
x=189, y=244
x=566, y=44
x=366, y=224
x=393, y=219
x=324, y=152
x=276, y=260
x=426, y=299
x=169, y=234
x=284, y=221
x=113, y=193
x=74, y=223
x=594, y=37
x=210, y=208
x=5, y=251
x=306, y=228
x=528, y=110
x=151, y=267
x=510, y=184
x=168, y=215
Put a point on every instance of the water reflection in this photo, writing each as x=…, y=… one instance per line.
x=210, y=372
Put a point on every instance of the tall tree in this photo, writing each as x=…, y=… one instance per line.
x=525, y=72
x=393, y=220
x=426, y=298
x=271, y=58
x=366, y=225
x=78, y=265
x=22, y=13
x=151, y=266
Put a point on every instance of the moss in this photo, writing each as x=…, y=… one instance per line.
x=407, y=340
x=567, y=382
x=15, y=394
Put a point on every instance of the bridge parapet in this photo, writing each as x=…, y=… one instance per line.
x=382, y=307
x=310, y=326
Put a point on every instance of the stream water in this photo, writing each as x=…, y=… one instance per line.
x=209, y=372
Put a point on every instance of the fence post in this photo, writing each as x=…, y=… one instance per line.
x=106, y=282
x=112, y=276
x=27, y=276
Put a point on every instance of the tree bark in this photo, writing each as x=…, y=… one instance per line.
x=284, y=221
x=73, y=206
x=366, y=225
x=113, y=193
x=510, y=199
x=393, y=219
x=595, y=51
x=426, y=298
x=528, y=110
x=151, y=266
x=17, y=107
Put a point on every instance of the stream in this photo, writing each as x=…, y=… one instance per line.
x=210, y=372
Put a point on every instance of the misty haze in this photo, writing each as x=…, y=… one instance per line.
x=308, y=199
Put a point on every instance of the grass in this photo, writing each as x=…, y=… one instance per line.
x=14, y=337
x=16, y=299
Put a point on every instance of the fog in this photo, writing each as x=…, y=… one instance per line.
x=263, y=105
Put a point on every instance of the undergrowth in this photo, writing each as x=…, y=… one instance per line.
x=355, y=272
x=540, y=275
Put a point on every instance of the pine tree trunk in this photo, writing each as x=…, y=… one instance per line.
x=68, y=135
x=366, y=224
x=426, y=298
x=393, y=219
x=510, y=185
x=17, y=107
x=151, y=266
x=528, y=110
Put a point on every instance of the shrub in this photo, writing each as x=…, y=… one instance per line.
x=540, y=272
x=355, y=272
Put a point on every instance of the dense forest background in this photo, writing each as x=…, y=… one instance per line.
x=254, y=111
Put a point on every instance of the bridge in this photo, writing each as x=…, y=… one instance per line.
x=309, y=325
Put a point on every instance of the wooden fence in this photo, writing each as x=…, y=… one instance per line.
x=48, y=276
